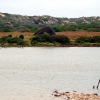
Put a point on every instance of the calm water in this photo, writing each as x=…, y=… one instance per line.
x=33, y=73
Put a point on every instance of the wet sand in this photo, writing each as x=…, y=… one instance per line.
x=76, y=96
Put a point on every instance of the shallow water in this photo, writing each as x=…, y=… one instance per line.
x=32, y=73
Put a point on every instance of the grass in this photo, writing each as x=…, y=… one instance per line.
x=27, y=35
x=75, y=34
x=71, y=34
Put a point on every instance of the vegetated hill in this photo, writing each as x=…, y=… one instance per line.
x=13, y=22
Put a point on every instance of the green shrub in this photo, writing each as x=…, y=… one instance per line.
x=94, y=39
x=21, y=36
x=3, y=39
x=26, y=30
x=50, y=38
x=34, y=42
x=82, y=39
x=10, y=35
x=20, y=42
x=41, y=37
x=60, y=39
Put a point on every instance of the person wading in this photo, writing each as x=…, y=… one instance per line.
x=98, y=84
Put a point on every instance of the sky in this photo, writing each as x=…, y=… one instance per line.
x=55, y=8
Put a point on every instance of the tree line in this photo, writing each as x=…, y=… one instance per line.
x=46, y=39
x=93, y=27
x=6, y=27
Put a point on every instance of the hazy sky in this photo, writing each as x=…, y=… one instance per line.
x=55, y=8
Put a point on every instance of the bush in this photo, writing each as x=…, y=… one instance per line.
x=60, y=39
x=9, y=39
x=82, y=39
x=34, y=42
x=3, y=39
x=94, y=39
x=20, y=42
x=41, y=37
x=50, y=38
x=10, y=35
x=26, y=30
x=21, y=36
x=59, y=28
x=16, y=40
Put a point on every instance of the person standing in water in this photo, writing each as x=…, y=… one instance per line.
x=98, y=84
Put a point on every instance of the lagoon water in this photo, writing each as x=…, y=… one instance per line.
x=32, y=73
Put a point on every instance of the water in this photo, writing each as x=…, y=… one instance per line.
x=32, y=73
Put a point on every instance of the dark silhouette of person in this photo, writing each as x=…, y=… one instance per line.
x=93, y=87
x=98, y=84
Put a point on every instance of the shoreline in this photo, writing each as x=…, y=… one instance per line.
x=66, y=45
x=76, y=96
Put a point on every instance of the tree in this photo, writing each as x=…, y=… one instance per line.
x=21, y=36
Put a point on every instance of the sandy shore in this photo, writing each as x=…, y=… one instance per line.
x=76, y=96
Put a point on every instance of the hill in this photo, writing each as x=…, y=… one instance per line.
x=14, y=22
